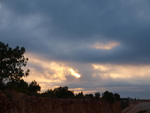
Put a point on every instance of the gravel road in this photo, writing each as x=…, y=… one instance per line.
x=143, y=106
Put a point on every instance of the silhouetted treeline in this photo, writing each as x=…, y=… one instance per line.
x=64, y=92
x=60, y=92
x=23, y=87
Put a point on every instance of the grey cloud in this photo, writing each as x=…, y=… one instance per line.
x=63, y=30
x=67, y=27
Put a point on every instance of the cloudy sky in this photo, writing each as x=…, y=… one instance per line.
x=88, y=45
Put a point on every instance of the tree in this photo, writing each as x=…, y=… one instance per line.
x=20, y=86
x=89, y=96
x=80, y=95
x=59, y=92
x=108, y=96
x=116, y=96
x=34, y=87
x=97, y=95
x=11, y=63
x=63, y=92
x=49, y=93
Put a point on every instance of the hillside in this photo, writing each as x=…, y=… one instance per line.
x=13, y=102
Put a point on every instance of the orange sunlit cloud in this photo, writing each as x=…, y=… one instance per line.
x=128, y=72
x=48, y=71
x=50, y=74
x=105, y=46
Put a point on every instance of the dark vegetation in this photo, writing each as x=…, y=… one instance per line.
x=124, y=102
x=12, y=62
x=60, y=92
x=144, y=111
x=64, y=92
x=11, y=73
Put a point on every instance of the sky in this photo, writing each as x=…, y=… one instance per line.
x=90, y=46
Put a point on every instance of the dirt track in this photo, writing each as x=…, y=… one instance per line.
x=142, y=106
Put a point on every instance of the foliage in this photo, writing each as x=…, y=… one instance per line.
x=89, y=96
x=144, y=111
x=97, y=95
x=108, y=96
x=80, y=95
x=11, y=63
x=20, y=86
x=124, y=103
x=49, y=93
x=34, y=87
x=60, y=92
x=63, y=92
x=116, y=96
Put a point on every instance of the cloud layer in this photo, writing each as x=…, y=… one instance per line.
x=94, y=38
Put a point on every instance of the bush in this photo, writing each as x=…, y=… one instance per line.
x=60, y=92
x=89, y=96
x=97, y=95
x=108, y=96
x=34, y=87
x=116, y=96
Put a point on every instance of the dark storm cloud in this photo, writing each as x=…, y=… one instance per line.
x=62, y=30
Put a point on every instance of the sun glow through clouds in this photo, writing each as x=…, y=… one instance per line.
x=74, y=73
x=49, y=71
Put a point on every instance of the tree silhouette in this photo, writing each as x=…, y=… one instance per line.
x=80, y=95
x=49, y=93
x=59, y=92
x=63, y=92
x=116, y=96
x=97, y=95
x=108, y=96
x=11, y=63
x=34, y=87
x=89, y=96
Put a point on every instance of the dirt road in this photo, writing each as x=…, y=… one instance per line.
x=142, y=106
